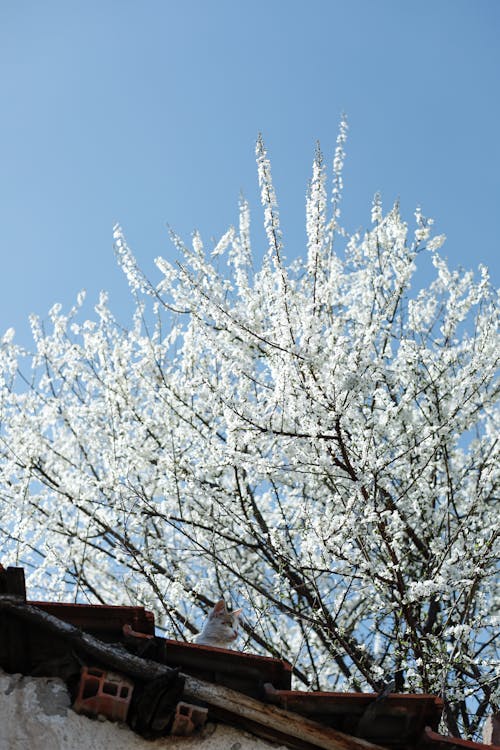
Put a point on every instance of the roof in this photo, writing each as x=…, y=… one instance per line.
x=103, y=619
x=395, y=721
x=245, y=690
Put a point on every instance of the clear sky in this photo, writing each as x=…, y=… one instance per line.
x=147, y=112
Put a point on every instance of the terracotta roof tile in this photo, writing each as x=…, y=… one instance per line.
x=398, y=722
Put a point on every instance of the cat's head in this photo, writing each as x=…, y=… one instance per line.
x=222, y=626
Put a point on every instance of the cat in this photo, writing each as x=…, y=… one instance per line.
x=220, y=628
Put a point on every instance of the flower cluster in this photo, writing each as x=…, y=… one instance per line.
x=313, y=440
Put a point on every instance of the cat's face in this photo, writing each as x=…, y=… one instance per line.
x=225, y=624
x=221, y=627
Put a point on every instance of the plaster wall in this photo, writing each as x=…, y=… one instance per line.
x=35, y=713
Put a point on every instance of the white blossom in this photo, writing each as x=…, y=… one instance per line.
x=314, y=440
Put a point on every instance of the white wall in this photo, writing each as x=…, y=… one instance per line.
x=35, y=715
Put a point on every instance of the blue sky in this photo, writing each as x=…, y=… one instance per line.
x=147, y=113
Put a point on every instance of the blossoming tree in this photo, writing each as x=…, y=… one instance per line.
x=316, y=442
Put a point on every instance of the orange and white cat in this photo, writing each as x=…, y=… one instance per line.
x=220, y=628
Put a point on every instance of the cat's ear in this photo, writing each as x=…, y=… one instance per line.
x=219, y=607
x=237, y=612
